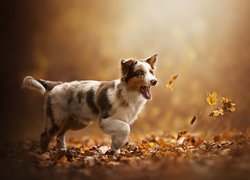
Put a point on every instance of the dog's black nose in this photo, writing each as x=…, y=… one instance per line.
x=153, y=82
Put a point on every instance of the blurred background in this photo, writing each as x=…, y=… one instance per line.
x=206, y=42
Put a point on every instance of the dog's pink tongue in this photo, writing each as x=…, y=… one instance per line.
x=146, y=92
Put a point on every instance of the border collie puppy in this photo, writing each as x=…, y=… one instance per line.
x=116, y=104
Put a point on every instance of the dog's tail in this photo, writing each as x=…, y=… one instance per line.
x=39, y=85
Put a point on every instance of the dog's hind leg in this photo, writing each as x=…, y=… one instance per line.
x=53, y=125
x=118, y=130
x=46, y=137
x=44, y=141
x=60, y=139
x=72, y=123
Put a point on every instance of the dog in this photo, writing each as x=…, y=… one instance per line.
x=115, y=104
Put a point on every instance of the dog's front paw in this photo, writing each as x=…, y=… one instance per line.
x=117, y=152
x=63, y=149
x=113, y=153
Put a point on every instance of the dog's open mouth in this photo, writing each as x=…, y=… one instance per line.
x=145, y=91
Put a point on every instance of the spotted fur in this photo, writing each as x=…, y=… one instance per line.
x=116, y=104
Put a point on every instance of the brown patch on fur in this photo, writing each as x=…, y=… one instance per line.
x=70, y=92
x=102, y=101
x=90, y=101
x=80, y=96
x=120, y=98
x=133, y=74
x=49, y=111
x=70, y=95
x=49, y=85
x=127, y=69
x=134, y=81
x=134, y=84
x=127, y=64
x=75, y=123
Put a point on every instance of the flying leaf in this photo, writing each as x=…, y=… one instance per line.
x=232, y=109
x=217, y=112
x=212, y=98
x=171, y=82
x=193, y=120
x=228, y=105
x=225, y=100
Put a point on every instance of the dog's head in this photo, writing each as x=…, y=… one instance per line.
x=139, y=75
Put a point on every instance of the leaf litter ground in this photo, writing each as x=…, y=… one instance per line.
x=154, y=156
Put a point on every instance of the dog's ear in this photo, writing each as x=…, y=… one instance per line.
x=152, y=61
x=127, y=65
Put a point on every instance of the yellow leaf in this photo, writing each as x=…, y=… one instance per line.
x=171, y=82
x=151, y=144
x=170, y=85
x=212, y=98
x=225, y=100
x=217, y=112
x=174, y=77
x=232, y=109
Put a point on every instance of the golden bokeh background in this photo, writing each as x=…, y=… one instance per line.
x=206, y=42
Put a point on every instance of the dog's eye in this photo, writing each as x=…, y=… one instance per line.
x=151, y=71
x=140, y=74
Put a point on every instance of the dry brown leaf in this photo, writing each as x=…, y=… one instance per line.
x=193, y=120
x=62, y=160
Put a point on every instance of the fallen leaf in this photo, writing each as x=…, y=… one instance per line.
x=112, y=163
x=225, y=152
x=181, y=140
x=181, y=134
x=62, y=160
x=103, y=149
x=216, y=138
x=45, y=156
x=90, y=160
x=151, y=144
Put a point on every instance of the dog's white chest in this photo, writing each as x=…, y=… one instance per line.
x=130, y=112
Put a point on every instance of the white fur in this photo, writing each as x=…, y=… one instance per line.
x=30, y=83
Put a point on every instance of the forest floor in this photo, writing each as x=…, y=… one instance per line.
x=154, y=156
